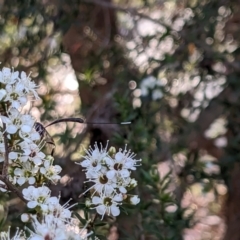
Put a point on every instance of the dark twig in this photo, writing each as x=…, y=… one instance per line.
x=12, y=188
x=5, y=164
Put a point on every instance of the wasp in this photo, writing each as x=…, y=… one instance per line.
x=47, y=137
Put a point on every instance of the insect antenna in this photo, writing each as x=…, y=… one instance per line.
x=80, y=120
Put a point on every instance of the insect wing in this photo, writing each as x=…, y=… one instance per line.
x=48, y=141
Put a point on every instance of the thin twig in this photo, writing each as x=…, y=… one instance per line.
x=5, y=163
x=12, y=188
x=132, y=11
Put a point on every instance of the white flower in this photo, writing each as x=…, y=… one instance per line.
x=110, y=174
x=31, y=136
x=29, y=86
x=36, y=196
x=122, y=164
x=15, y=95
x=51, y=171
x=7, y=76
x=26, y=173
x=17, y=121
x=31, y=152
x=107, y=204
x=94, y=160
x=102, y=184
x=49, y=228
x=59, y=211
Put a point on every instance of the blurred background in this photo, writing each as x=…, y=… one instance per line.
x=172, y=68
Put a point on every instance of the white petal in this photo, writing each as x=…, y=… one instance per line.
x=5, y=119
x=119, y=156
x=57, y=168
x=18, y=171
x=101, y=209
x=22, y=100
x=11, y=129
x=122, y=189
x=41, y=155
x=115, y=210
x=31, y=180
x=13, y=155
x=125, y=173
x=44, y=207
x=37, y=160
x=95, y=154
x=53, y=200
x=111, y=174
x=27, y=151
x=42, y=170
x=109, y=189
x=96, y=200
x=23, y=75
x=32, y=204
x=85, y=163
x=26, y=128
x=21, y=181
x=66, y=213
x=16, y=104
x=118, y=198
x=35, y=136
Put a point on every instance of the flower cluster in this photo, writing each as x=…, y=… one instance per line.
x=110, y=173
x=48, y=228
x=26, y=166
x=151, y=86
x=51, y=228
x=26, y=161
x=56, y=223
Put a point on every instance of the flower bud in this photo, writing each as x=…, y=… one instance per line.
x=132, y=184
x=112, y=151
x=25, y=217
x=88, y=203
x=134, y=200
x=49, y=158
